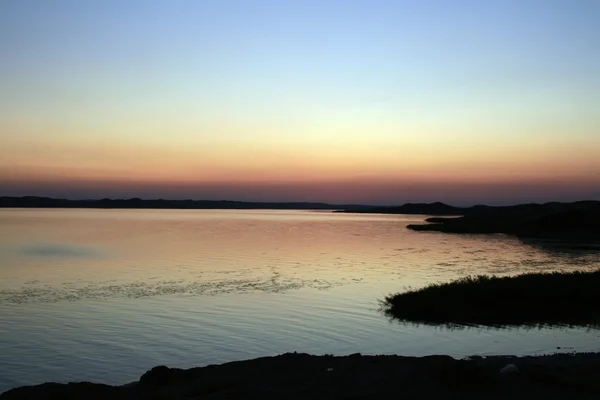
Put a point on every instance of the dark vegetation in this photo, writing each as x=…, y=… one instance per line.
x=304, y=376
x=47, y=202
x=539, y=299
x=578, y=220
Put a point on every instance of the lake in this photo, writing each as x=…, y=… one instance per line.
x=104, y=295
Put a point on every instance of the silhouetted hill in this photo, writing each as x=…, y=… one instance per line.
x=47, y=202
x=436, y=208
x=527, y=220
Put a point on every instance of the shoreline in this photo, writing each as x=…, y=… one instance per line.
x=298, y=376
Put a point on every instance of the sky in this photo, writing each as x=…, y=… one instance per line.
x=342, y=101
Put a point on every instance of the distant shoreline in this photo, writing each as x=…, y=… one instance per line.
x=434, y=209
x=137, y=203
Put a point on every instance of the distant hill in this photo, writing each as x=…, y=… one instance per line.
x=525, y=220
x=436, y=208
x=47, y=202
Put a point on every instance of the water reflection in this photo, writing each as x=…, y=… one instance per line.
x=57, y=250
x=79, y=289
x=218, y=283
x=452, y=326
x=574, y=247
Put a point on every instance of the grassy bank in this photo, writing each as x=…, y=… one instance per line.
x=571, y=298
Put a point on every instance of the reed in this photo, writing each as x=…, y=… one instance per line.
x=557, y=298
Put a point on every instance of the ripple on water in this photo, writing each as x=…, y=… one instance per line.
x=166, y=289
x=71, y=291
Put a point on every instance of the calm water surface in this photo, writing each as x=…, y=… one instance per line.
x=104, y=295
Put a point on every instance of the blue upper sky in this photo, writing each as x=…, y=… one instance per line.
x=416, y=76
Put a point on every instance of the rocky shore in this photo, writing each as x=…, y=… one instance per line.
x=304, y=376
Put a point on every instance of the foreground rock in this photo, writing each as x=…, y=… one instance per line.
x=302, y=376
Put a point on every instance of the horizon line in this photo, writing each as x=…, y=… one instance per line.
x=284, y=202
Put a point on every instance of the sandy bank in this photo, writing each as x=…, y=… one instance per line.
x=301, y=376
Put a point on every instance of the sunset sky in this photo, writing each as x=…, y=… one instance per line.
x=380, y=102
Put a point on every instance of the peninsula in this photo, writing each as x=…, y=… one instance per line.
x=579, y=219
